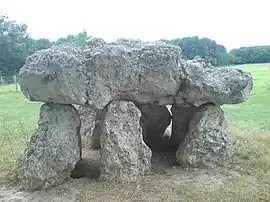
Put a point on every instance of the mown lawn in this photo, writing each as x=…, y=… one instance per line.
x=255, y=112
x=18, y=120
x=249, y=123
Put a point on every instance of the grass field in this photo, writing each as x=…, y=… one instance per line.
x=254, y=113
x=18, y=120
x=249, y=123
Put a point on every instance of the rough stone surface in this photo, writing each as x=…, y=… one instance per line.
x=95, y=138
x=87, y=116
x=154, y=121
x=54, y=149
x=207, y=142
x=92, y=44
x=124, y=155
x=203, y=83
x=141, y=72
x=181, y=116
x=55, y=75
x=135, y=71
x=88, y=123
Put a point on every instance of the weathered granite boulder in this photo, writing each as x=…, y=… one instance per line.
x=207, y=142
x=54, y=149
x=154, y=121
x=181, y=116
x=135, y=71
x=99, y=119
x=55, y=75
x=92, y=44
x=141, y=72
x=203, y=83
x=87, y=116
x=124, y=155
x=88, y=123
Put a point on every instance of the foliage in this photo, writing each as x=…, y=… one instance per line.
x=255, y=54
x=34, y=45
x=73, y=40
x=205, y=48
x=16, y=45
x=13, y=40
x=18, y=119
x=217, y=54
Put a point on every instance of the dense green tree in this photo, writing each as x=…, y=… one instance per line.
x=16, y=45
x=34, y=45
x=73, y=40
x=13, y=49
x=205, y=48
x=253, y=54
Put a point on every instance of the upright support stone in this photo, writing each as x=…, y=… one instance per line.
x=88, y=125
x=95, y=138
x=181, y=116
x=207, y=142
x=54, y=149
x=87, y=116
x=124, y=155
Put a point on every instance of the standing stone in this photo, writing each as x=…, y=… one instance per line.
x=87, y=116
x=95, y=138
x=207, y=142
x=180, y=121
x=88, y=123
x=154, y=121
x=54, y=149
x=124, y=155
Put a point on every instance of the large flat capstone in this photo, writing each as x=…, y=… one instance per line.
x=141, y=72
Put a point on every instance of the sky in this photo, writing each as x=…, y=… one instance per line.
x=232, y=23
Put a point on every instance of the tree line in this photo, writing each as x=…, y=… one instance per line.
x=16, y=45
x=217, y=54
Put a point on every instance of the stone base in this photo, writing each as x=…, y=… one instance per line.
x=207, y=142
x=87, y=116
x=124, y=155
x=54, y=149
x=181, y=116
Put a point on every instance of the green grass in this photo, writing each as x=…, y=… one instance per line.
x=250, y=126
x=18, y=120
x=255, y=112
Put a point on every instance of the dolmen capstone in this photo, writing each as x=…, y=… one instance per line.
x=117, y=95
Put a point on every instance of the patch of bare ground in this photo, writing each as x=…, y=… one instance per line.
x=246, y=178
x=166, y=181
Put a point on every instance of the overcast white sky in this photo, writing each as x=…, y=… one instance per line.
x=233, y=23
